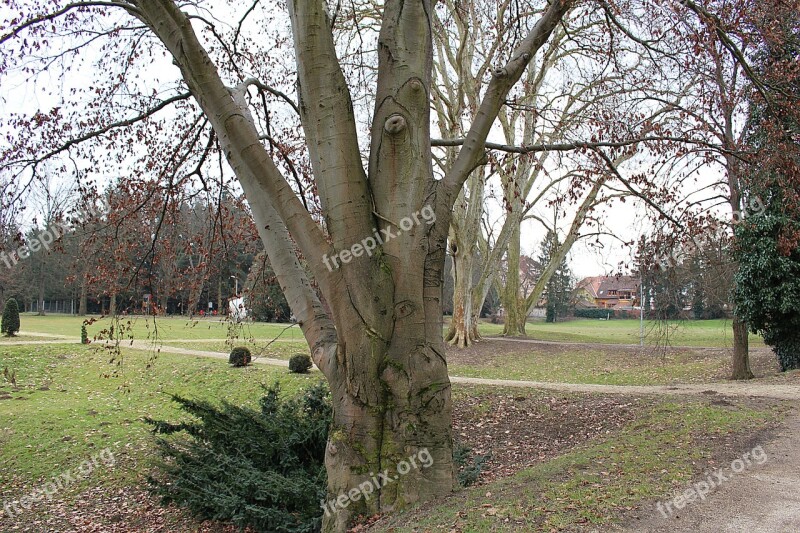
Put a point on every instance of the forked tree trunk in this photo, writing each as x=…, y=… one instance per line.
x=381, y=347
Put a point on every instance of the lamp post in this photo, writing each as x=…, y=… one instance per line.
x=236, y=290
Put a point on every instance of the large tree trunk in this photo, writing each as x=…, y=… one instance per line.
x=112, y=305
x=381, y=347
x=375, y=430
x=741, y=353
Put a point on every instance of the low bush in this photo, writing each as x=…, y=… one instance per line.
x=300, y=363
x=263, y=469
x=240, y=356
x=10, y=321
x=469, y=466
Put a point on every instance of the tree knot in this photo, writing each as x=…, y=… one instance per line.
x=395, y=124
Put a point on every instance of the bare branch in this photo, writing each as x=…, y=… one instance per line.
x=63, y=11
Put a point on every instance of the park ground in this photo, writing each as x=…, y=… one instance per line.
x=657, y=418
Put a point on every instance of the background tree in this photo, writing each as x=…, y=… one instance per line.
x=263, y=293
x=768, y=243
x=559, y=289
x=768, y=284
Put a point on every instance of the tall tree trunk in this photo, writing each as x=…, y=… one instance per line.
x=464, y=231
x=83, y=298
x=40, y=303
x=741, y=342
x=515, y=317
x=463, y=330
x=381, y=348
x=112, y=304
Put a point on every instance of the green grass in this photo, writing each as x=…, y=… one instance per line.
x=164, y=328
x=649, y=459
x=606, y=367
x=71, y=403
x=572, y=364
x=704, y=333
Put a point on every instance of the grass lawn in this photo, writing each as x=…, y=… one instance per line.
x=588, y=361
x=708, y=333
x=276, y=350
x=606, y=367
x=70, y=402
x=704, y=333
x=162, y=328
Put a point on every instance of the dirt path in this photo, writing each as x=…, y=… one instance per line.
x=762, y=498
x=750, y=388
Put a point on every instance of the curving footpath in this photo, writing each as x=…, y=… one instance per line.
x=748, y=388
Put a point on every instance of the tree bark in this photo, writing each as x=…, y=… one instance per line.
x=83, y=303
x=741, y=342
x=464, y=231
x=515, y=318
x=463, y=330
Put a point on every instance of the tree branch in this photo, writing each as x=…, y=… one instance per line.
x=504, y=79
